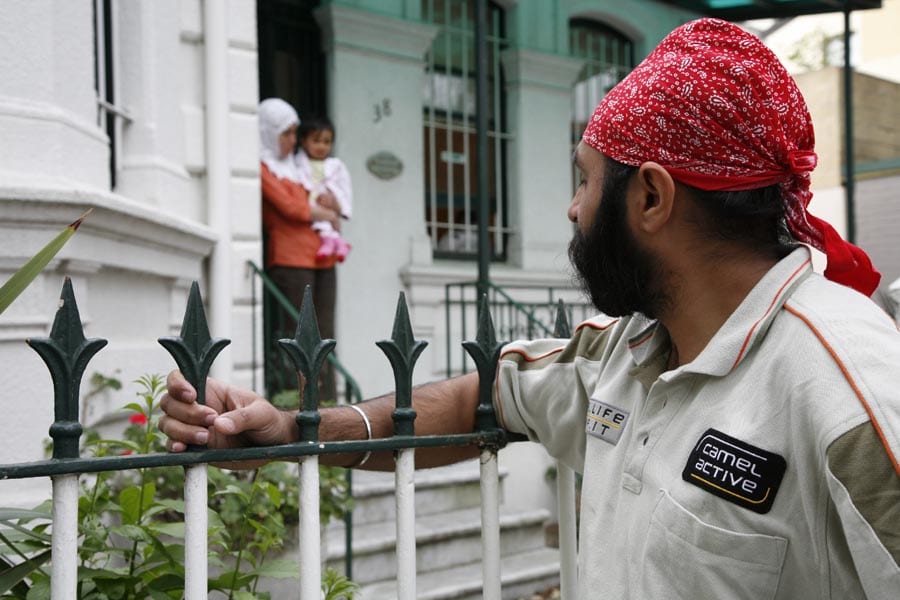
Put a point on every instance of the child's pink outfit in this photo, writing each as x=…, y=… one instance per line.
x=330, y=175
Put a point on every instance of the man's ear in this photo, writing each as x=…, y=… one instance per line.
x=654, y=197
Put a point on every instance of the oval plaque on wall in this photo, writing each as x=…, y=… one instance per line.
x=384, y=165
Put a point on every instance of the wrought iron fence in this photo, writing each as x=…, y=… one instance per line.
x=67, y=353
x=519, y=312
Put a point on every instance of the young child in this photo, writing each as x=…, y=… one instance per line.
x=322, y=174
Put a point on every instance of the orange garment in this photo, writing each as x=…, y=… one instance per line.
x=286, y=219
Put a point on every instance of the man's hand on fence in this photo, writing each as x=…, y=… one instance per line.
x=232, y=417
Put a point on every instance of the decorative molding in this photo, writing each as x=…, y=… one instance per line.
x=120, y=233
x=531, y=68
x=368, y=33
x=153, y=162
x=442, y=273
x=42, y=111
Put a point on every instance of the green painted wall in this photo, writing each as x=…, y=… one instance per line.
x=542, y=25
x=401, y=9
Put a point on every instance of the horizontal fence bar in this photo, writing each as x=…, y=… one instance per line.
x=46, y=468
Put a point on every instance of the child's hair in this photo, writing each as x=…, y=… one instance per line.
x=315, y=123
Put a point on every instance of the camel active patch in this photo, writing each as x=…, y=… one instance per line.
x=735, y=471
x=605, y=421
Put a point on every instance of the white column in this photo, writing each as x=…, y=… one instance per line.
x=376, y=73
x=539, y=163
x=218, y=173
x=151, y=166
x=196, y=553
x=64, y=544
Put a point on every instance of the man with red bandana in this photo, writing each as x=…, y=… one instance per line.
x=735, y=415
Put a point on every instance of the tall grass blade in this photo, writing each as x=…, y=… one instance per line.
x=24, y=276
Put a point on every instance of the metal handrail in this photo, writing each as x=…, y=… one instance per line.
x=284, y=303
x=534, y=325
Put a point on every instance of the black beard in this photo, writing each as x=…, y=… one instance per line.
x=620, y=277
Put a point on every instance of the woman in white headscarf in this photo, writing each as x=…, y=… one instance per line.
x=291, y=243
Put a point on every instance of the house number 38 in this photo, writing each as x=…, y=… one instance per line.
x=382, y=110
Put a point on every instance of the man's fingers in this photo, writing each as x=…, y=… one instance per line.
x=179, y=388
x=187, y=412
x=244, y=418
x=181, y=433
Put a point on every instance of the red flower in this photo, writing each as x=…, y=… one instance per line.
x=138, y=419
x=126, y=452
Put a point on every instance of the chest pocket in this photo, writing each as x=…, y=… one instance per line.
x=687, y=558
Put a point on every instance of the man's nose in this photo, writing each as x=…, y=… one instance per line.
x=572, y=212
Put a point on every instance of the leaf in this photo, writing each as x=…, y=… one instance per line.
x=134, y=504
x=132, y=533
x=243, y=596
x=229, y=579
x=10, y=577
x=232, y=489
x=279, y=569
x=25, y=275
x=166, y=582
x=30, y=533
x=273, y=493
x=172, y=504
x=8, y=514
x=175, y=530
x=39, y=591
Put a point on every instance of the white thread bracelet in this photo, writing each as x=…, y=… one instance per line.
x=368, y=453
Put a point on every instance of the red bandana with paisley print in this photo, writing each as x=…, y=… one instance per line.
x=717, y=109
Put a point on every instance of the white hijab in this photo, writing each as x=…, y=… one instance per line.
x=275, y=117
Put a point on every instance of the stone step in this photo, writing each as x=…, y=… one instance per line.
x=443, y=540
x=437, y=490
x=521, y=575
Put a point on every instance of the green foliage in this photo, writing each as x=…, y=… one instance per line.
x=132, y=532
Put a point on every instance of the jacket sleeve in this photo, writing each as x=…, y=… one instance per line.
x=289, y=199
x=864, y=485
x=540, y=392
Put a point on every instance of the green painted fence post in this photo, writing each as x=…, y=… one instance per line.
x=308, y=351
x=66, y=353
x=403, y=351
x=485, y=352
x=194, y=350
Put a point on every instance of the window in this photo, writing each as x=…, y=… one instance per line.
x=609, y=57
x=451, y=161
x=110, y=116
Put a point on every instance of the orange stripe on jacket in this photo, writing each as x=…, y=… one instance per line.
x=850, y=381
x=768, y=310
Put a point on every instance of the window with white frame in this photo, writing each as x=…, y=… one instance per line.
x=110, y=115
x=608, y=57
x=451, y=161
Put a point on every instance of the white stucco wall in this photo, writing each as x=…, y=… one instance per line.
x=134, y=258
